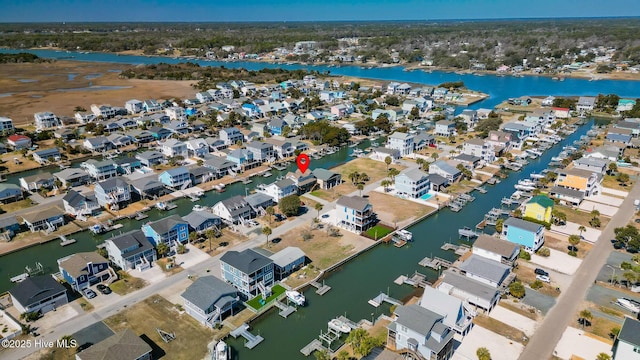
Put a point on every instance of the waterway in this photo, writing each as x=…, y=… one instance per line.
x=374, y=271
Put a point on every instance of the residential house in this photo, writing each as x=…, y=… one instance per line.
x=106, y=111
x=276, y=126
x=626, y=345
x=496, y=249
x=219, y=166
x=204, y=97
x=200, y=174
x=381, y=153
x=159, y=132
x=500, y=140
x=539, y=208
x=477, y=293
x=340, y=110
x=470, y=118
x=176, y=178
x=119, y=140
x=127, y=165
x=37, y=181
x=80, y=205
x=197, y=147
x=200, y=221
x=9, y=225
x=585, y=181
x=562, y=113
x=423, y=140
x=233, y=210
x=208, y=299
x=178, y=127
x=248, y=271
x=279, y=189
x=71, y=177
x=480, y=148
x=38, y=294
x=10, y=193
x=490, y=272
x=445, y=128
x=445, y=169
x=150, y=158
x=84, y=269
x=46, y=156
x=84, y=118
x=393, y=115
x=281, y=148
x=48, y=219
x=100, y=170
x=592, y=164
x=421, y=331
x=134, y=106
x=303, y=181
x=140, y=136
x=608, y=152
x=412, y=183
x=231, y=136
x=567, y=195
x=171, y=230
x=585, y=104
x=173, y=147
x=262, y=152
x=402, y=142
x=625, y=105
x=131, y=250
x=126, y=345
x=522, y=232
x=355, y=213
x=287, y=261
x=6, y=126
x=457, y=314
x=147, y=187
x=633, y=126
x=468, y=161
x=19, y=142
x=242, y=158
x=259, y=202
x=113, y=193
x=151, y=105
x=46, y=120
x=175, y=113
x=327, y=179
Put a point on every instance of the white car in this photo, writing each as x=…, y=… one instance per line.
x=543, y=278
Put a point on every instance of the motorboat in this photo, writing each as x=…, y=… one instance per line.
x=296, y=297
x=527, y=182
x=536, y=176
x=630, y=305
x=339, y=325
x=405, y=235
x=161, y=205
x=220, y=187
x=222, y=351
x=199, y=208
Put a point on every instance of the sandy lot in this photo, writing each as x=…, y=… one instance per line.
x=558, y=261
x=575, y=342
x=392, y=210
x=516, y=320
x=500, y=347
x=37, y=87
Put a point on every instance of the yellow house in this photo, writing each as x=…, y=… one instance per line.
x=539, y=208
x=585, y=181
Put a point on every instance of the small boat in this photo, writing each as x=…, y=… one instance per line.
x=222, y=351
x=97, y=229
x=296, y=297
x=220, y=187
x=161, y=205
x=628, y=304
x=405, y=235
x=199, y=208
x=267, y=174
x=19, y=278
x=339, y=325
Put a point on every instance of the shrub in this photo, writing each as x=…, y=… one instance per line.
x=517, y=290
x=536, y=285
x=544, y=251
x=573, y=253
x=524, y=255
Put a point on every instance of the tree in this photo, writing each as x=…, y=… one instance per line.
x=360, y=188
x=318, y=208
x=354, y=177
x=623, y=179
x=356, y=337
x=603, y=356
x=499, y=224
x=581, y=228
x=290, y=205
x=630, y=277
x=322, y=355
x=162, y=249
x=270, y=211
x=392, y=173
x=434, y=156
x=574, y=240
x=517, y=213
x=343, y=355
x=388, y=161
x=586, y=315
x=210, y=234
x=385, y=184
x=517, y=290
x=612, y=168
x=182, y=249
x=193, y=236
x=421, y=162
x=483, y=353
x=267, y=231
x=559, y=217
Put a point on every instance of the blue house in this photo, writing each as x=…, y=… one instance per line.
x=170, y=230
x=85, y=269
x=240, y=157
x=176, y=178
x=160, y=133
x=287, y=260
x=250, y=110
x=201, y=220
x=249, y=271
x=10, y=225
x=276, y=126
x=524, y=233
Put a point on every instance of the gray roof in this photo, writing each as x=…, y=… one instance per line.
x=437, y=179
x=417, y=318
x=475, y=141
x=114, y=182
x=164, y=225
x=38, y=177
x=485, y=268
x=177, y=171
x=414, y=174
x=468, y=158
x=123, y=345
x=76, y=264
x=287, y=255
x=8, y=221
x=384, y=150
x=130, y=239
x=493, y=244
x=567, y=192
x=45, y=153
x=353, y=202
x=446, y=167
x=587, y=100
x=471, y=286
x=197, y=218
x=324, y=174
x=235, y=204
x=208, y=290
x=522, y=224
x=73, y=198
x=630, y=331
x=146, y=184
x=42, y=214
x=400, y=135
x=283, y=183
x=247, y=261
x=150, y=154
x=218, y=162
x=587, y=161
x=36, y=288
x=102, y=163
x=258, y=199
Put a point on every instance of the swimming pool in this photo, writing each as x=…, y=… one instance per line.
x=426, y=197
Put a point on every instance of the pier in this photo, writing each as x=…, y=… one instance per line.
x=467, y=233
x=252, y=340
x=416, y=280
x=382, y=298
x=458, y=249
x=321, y=288
x=317, y=344
x=435, y=263
x=285, y=310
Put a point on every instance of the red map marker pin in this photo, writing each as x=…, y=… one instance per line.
x=303, y=162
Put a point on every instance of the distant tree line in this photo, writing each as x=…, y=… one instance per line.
x=22, y=57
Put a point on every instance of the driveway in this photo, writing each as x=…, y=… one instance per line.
x=500, y=347
x=558, y=261
x=514, y=319
x=575, y=342
x=604, y=296
x=539, y=300
x=606, y=210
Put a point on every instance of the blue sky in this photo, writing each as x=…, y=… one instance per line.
x=305, y=10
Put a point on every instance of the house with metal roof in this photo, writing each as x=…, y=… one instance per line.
x=10, y=193
x=287, y=261
x=131, y=250
x=402, y=142
x=171, y=230
x=259, y=202
x=457, y=314
x=231, y=135
x=585, y=181
x=202, y=220
x=354, y=213
x=173, y=148
x=445, y=169
x=591, y=164
x=445, y=128
x=539, y=208
x=100, y=170
x=524, y=233
x=38, y=294
x=327, y=179
x=71, y=177
x=97, y=144
x=147, y=187
x=493, y=248
x=176, y=178
x=421, y=331
x=85, y=269
x=234, y=210
x=567, y=196
x=412, y=183
x=250, y=272
x=46, y=156
x=627, y=344
x=209, y=300
x=470, y=290
x=48, y=219
x=124, y=345
x=150, y=158
x=303, y=181
x=487, y=271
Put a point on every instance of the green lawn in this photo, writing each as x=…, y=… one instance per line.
x=276, y=291
x=378, y=232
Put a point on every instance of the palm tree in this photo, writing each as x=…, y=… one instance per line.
x=392, y=173
x=162, y=249
x=483, y=353
x=360, y=187
x=270, y=211
x=434, y=156
x=595, y=213
x=388, y=161
x=210, y=234
x=385, y=184
x=603, y=356
x=193, y=236
x=574, y=240
x=354, y=177
x=585, y=314
x=420, y=161
x=267, y=231
x=581, y=228
x=318, y=207
x=630, y=277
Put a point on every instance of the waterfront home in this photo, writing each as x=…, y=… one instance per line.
x=200, y=221
x=303, y=181
x=592, y=164
x=9, y=225
x=127, y=165
x=173, y=147
x=261, y=151
x=48, y=219
x=609, y=152
x=171, y=230
x=176, y=178
x=402, y=142
x=381, y=153
x=470, y=118
x=444, y=169
x=627, y=344
x=105, y=111
x=392, y=87
x=586, y=104
x=151, y=105
x=470, y=290
x=500, y=140
x=10, y=193
x=412, y=183
x=259, y=202
x=287, y=261
x=621, y=137
x=493, y=248
x=200, y=174
x=113, y=193
x=85, y=269
x=423, y=140
x=209, y=299
x=84, y=118
x=37, y=181
x=490, y=272
x=131, y=250
x=65, y=134
x=327, y=179
x=38, y=294
x=522, y=232
x=628, y=124
x=76, y=204
x=204, y=97
x=539, y=208
x=279, y=189
x=480, y=148
x=248, y=271
x=46, y=156
x=46, y=120
x=159, y=132
x=97, y=144
x=242, y=158
x=468, y=161
x=71, y=177
x=355, y=213
x=110, y=126
x=276, y=126
x=567, y=195
x=445, y=128
x=6, y=126
x=216, y=144
x=140, y=136
x=456, y=314
x=421, y=331
x=340, y=110
x=197, y=147
x=521, y=132
x=281, y=148
x=134, y=106
x=150, y=158
x=231, y=136
x=100, y=170
x=147, y=187
x=233, y=210
x=220, y=166
x=125, y=345
x=562, y=113
x=19, y=142
x=118, y=140
x=585, y=181
x=179, y=127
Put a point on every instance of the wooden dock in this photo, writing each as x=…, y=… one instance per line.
x=321, y=288
x=382, y=298
x=416, y=280
x=435, y=263
x=285, y=310
x=252, y=340
x=315, y=345
x=458, y=249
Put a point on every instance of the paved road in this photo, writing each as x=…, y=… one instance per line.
x=80, y=322
x=544, y=341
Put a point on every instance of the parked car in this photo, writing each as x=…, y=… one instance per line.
x=572, y=248
x=539, y=271
x=104, y=289
x=90, y=294
x=543, y=278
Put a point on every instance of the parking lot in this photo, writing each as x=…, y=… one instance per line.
x=604, y=296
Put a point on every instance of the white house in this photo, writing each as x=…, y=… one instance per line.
x=46, y=120
x=133, y=106
x=421, y=331
x=480, y=148
x=106, y=111
x=175, y=113
x=279, y=189
x=412, y=183
x=402, y=142
x=354, y=213
x=627, y=343
x=445, y=128
x=6, y=126
x=173, y=147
